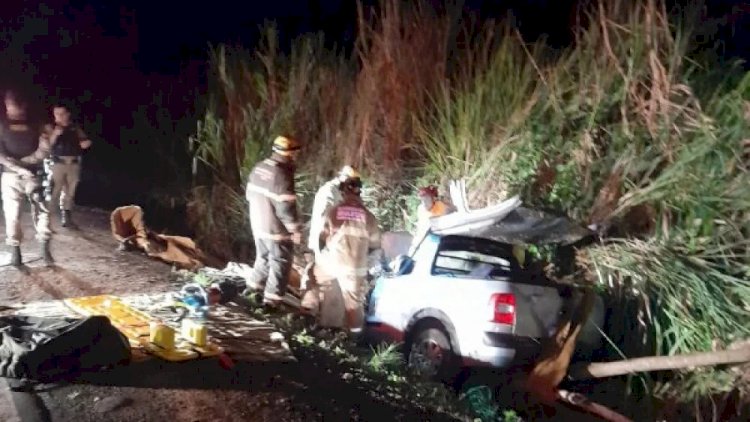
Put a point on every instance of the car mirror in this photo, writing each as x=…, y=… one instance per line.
x=402, y=265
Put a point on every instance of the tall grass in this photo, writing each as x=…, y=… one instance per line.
x=357, y=111
x=255, y=97
x=474, y=122
x=611, y=132
x=619, y=131
x=402, y=55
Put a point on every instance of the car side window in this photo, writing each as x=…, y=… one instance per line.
x=473, y=258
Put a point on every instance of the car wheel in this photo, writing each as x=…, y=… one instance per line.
x=430, y=354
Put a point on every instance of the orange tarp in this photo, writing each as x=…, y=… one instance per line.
x=128, y=227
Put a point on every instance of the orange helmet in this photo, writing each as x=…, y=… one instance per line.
x=284, y=145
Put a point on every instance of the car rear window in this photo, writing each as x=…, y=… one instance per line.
x=473, y=258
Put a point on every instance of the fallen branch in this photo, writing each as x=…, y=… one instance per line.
x=661, y=363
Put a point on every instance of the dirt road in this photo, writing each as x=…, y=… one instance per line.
x=88, y=264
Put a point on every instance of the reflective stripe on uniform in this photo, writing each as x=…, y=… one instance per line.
x=272, y=236
x=284, y=197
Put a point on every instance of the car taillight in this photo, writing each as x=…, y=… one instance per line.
x=503, y=308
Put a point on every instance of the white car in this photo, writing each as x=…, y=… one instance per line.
x=464, y=300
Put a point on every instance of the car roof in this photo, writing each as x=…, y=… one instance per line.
x=527, y=226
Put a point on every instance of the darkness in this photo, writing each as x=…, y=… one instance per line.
x=126, y=63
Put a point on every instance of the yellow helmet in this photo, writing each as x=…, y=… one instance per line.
x=284, y=145
x=348, y=172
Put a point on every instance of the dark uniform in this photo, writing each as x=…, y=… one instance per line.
x=66, y=169
x=275, y=223
x=23, y=149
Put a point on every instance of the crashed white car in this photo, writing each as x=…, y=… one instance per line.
x=462, y=299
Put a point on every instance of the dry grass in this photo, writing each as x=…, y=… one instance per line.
x=402, y=53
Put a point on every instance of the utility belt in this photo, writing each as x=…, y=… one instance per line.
x=66, y=159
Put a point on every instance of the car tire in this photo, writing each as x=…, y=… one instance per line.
x=430, y=354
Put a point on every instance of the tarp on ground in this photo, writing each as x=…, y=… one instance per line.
x=128, y=227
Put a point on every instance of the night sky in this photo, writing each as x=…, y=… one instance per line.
x=119, y=58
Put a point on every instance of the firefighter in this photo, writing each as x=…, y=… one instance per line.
x=328, y=196
x=68, y=142
x=23, y=148
x=430, y=207
x=351, y=233
x=274, y=220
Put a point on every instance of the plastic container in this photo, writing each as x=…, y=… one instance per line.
x=161, y=335
x=194, y=332
x=196, y=299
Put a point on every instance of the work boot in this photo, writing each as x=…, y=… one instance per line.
x=65, y=218
x=15, y=256
x=46, y=254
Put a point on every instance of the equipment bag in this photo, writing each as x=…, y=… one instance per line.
x=50, y=349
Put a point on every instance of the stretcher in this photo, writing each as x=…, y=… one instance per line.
x=135, y=325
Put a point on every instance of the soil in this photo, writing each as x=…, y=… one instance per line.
x=87, y=263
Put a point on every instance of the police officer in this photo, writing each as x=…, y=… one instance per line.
x=68, y=142
x=23, y=148
x=274, y=219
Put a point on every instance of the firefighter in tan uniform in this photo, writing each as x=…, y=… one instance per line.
x=326, y=198
x=351, y=233
x=68, y=142
x=274, y=220
x=23, y=149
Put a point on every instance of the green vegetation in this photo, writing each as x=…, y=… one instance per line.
x=386, y=357
x=623, y=130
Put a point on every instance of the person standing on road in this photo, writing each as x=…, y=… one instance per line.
x=274, y=220
x=23, y=148
x=351, y=233
x=68, y=142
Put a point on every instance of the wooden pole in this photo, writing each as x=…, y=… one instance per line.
x=661, y=363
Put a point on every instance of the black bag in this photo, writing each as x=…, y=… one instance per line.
x=51, y=349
